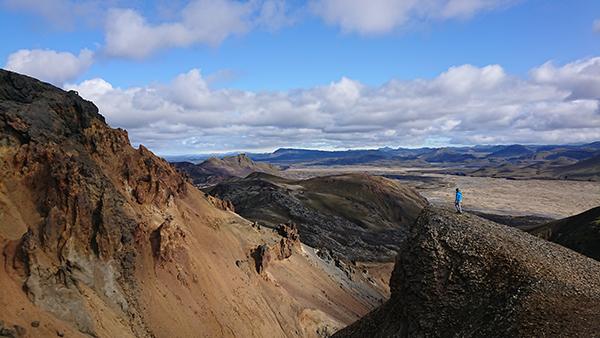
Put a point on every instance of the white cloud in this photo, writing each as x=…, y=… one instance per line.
x=581, y=77
x=49, y=65
x=383, y=16
x=465, y=104
x=129, y=34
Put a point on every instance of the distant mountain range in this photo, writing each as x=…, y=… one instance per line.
x=432, y=155
x=577, y=162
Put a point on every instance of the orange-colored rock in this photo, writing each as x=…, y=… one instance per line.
x=282, y=249
x=224, y=205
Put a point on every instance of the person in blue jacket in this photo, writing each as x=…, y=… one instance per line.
x=458, y=201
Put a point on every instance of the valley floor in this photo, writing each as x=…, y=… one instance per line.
x=547, y=198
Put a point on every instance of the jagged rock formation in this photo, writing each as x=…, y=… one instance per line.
x=74, y=173
x=282, y=249
x=101, y=239
x=357, y=216
x=460, y=275
x=215, y=170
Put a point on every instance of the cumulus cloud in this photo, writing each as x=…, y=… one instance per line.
x=129, y=34
x=464, y=105
x=383, y=16
x=581, y=78
x=49, y=65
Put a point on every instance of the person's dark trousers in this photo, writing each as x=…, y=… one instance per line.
x=458, y=207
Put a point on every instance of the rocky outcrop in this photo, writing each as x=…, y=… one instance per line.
x=460, y=275
x=280, y=250
x=167, y=240
x=12, y=331
x=84, y=179
x=221, y=204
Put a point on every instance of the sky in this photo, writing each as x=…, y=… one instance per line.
x=207, y=76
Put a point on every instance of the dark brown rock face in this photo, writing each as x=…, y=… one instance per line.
x=85, y=179
x=460, y=275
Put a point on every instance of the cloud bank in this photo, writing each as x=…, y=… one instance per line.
x=463, y=105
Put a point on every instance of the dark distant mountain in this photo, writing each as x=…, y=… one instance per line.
x=288, y=155
x=509, y=161
x=358, y=159
x=576, y=154
x=593, y=145
x=512, y=151
x=588, y=169
x=447, y=155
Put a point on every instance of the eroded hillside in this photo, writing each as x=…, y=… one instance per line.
x=101, y=239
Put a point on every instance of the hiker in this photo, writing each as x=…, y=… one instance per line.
x=458, y=201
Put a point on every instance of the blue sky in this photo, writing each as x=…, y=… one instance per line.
x=288, y=64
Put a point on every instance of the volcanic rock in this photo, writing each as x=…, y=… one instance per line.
x=460, y=275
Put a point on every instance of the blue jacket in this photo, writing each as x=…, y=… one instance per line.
x=458, y=196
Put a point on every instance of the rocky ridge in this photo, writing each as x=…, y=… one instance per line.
x=460, y=275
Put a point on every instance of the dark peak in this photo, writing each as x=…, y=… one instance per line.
x=54, y=113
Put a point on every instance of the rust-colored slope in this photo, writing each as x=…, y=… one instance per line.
x=102, y=239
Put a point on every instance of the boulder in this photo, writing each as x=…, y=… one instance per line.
x=461, y=275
